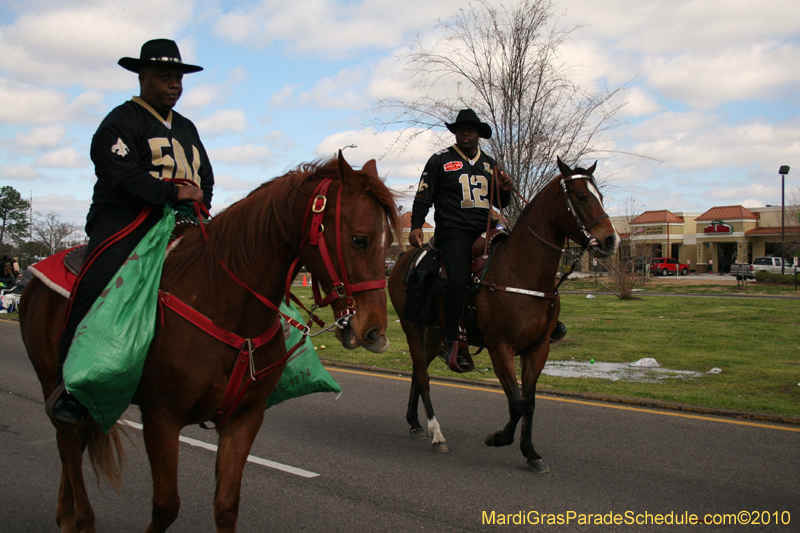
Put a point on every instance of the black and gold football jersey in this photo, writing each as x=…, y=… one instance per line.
x=459, y=189
x=134, y=149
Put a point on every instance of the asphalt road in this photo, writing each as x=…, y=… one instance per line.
x=373, y=477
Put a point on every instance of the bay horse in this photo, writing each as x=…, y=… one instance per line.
x=263, y=239
x=517, y=306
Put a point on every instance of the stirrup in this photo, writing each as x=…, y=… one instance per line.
x=459, y=348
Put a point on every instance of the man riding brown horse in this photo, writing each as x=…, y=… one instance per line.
x=136, y=147
x=457, y=182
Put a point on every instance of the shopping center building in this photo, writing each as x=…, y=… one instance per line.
x=712, y=240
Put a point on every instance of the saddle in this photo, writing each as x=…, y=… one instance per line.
x=424, y=280
x=60, y=271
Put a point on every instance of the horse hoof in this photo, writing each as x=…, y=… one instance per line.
x=538, y=466
x=439, y=447
x=417, y=433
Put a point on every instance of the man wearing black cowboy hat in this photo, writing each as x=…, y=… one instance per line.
x=457, y=181
x=136, y=147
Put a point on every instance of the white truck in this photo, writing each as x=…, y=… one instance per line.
x=760, y=264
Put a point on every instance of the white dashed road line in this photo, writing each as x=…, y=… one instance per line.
x=251, y=458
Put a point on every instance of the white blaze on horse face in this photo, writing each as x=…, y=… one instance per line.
x=384, y=231
x=435, y=431
x=593, y=190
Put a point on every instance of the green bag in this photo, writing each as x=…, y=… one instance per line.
x=107, y=354
x=303, y=373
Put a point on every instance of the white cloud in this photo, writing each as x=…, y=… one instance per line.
x=397, y=168
x=344, y=91
x=223, y=121
x=26, y=104
x=639, y=102
x=65, y=158
x=65, y=44
x=20, y=173
x=695, y=141
x=241, y=155
x=229, y=182
x=705, y=81
x=41, y=137
x=201, y=95
x=284, y=97
x=71, y=208
x=331, y=29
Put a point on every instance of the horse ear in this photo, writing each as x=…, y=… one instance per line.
x=563, y=167
x=345, y=170
x=590, y=170
x=370, y=168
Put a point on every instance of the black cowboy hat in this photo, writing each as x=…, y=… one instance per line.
x=469, y=116
x=158, y=52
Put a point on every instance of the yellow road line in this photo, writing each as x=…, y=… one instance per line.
x=582, y=402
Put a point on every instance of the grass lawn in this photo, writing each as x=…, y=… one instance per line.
x=756, y=343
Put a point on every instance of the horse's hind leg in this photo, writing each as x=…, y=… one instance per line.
x=161, y=433
x=235, y=441
x=74, y=512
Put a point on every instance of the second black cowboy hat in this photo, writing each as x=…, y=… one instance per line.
x=469, y=116
x=158, y=52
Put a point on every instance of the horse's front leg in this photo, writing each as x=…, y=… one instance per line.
x=161, y=438
x=235, y=440
x=532, y=365
x=505, y=369
x=423, y=344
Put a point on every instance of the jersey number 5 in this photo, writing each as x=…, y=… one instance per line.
x=474, y=197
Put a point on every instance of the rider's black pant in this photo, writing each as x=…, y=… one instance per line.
x=100, y=272
x=456, y=248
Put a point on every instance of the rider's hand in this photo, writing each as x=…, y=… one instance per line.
x=505, y=181
x=189, y=192
x=415, y=237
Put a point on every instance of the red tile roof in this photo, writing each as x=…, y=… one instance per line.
x=654, y=217
x=405, y=221
x=774, y=230
x=728, y=212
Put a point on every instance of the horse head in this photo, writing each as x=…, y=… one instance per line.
x=358, y=233
x=586, y=218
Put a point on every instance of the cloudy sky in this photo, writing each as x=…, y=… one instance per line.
x=711, y=90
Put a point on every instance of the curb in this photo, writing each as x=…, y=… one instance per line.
x=650, y=404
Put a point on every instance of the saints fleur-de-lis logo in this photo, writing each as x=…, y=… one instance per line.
x=120, y=148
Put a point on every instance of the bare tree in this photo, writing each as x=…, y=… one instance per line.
x=51, y=232
x=503, y=62
x=629, y=267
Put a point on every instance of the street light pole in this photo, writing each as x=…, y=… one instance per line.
x=783, y=171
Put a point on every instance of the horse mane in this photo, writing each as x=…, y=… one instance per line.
x=238, y=233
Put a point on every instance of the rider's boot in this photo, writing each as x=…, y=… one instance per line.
x=559, y=333
x=63, y=407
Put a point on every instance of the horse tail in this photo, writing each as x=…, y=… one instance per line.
x=106, y=453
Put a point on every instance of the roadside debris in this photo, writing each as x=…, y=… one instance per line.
x=647, y=362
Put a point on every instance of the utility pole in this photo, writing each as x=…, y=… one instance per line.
x=783, y=171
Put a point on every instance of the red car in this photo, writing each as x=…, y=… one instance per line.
x=666, y=266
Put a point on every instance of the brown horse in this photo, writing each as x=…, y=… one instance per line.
x=516, y=307
x=186, y=371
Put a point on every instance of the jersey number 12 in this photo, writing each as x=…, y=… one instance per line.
x=474, y=197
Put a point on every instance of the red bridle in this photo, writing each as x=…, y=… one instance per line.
x=342, y=288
